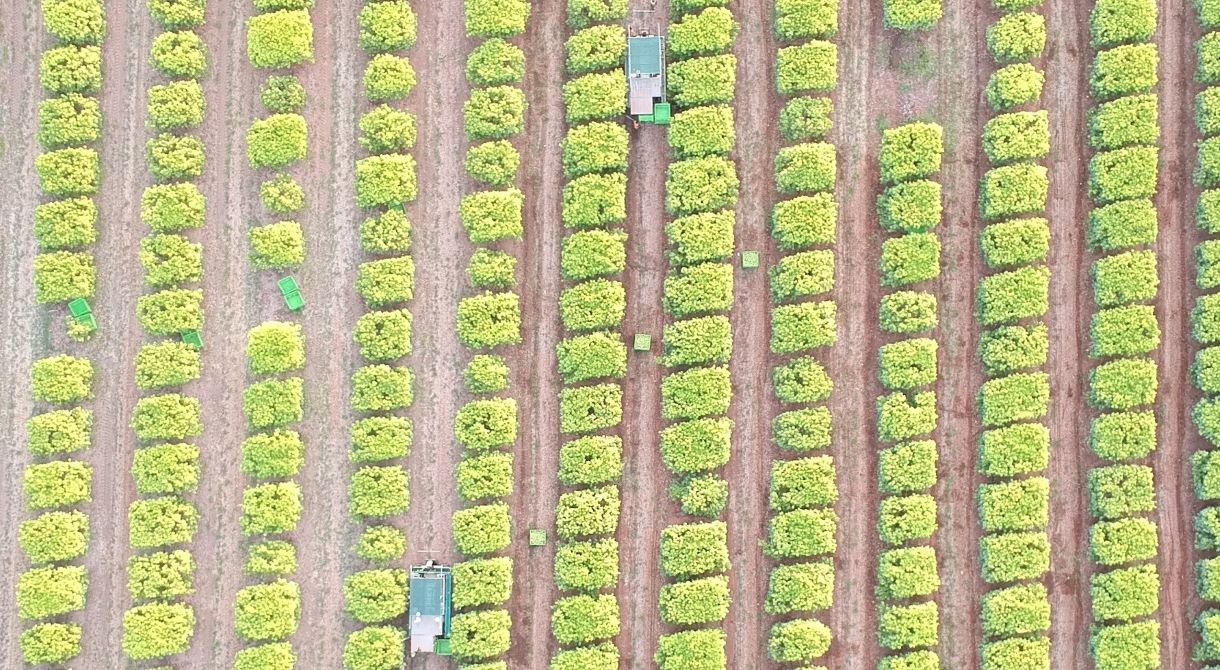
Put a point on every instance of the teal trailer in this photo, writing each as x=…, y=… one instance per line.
x=430, y=608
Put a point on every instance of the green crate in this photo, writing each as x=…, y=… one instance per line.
x=749, y=260
x=643, y=342
x=537, y=537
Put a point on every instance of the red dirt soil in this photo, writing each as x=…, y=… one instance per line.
x=1066, y=99
x=1177, y=437
x=535, y=378
x=754, y=405
x=23, y=323
x=440, y=249
x=853, y=365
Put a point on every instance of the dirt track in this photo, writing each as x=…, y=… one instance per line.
x=232, y=198
x=1175, y=260
x=1066, y=99
x=962, y=70
x=644, y=475
x=441, y=250
x=754, y=405
x=23, y=324
x=125, y=80
x=853, y=618
x=535, y=381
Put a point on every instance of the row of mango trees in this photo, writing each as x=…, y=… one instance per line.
x=592, y=356
x=1124, y=335
x=489, y=321
x=701, y=192
x=1014, y=449
x=804, y=326
x=58, y=483
x=1205, y=321
x=375, y=596
x=279, y=38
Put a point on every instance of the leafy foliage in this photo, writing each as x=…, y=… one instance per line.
x=1017, y=37
x=180, y=54
x=71, y=119
x=805, y=221
x=387, y=26
x=800, y=587
x=1114, y=22
x=703, y=81
x=67, y=172
x=802, y=532
x=909, y=626
x=704, y=648
x=495, y=62
x=267, y=612
x=489, y=320
x=374, y=596
x=270, y=508
x=496, y=18
x=593, y=305
x=908, y=467
x=71, y=69
x=166, y=468
x=587, y=565
x=378, y=492
x=160, y=522
x=1009, y=296
x=910, y=207
x=166, y=417
x=54, y=536
x=283, y=94
x=279, y=39
x=1014, y=85
x=1123, y=70
x=587, y=409
x=902, y=416
x=812, y=66
x=66, y=224
x=385, y=180
x=278, y=453
x=482, y=581
x=157, y=630
x=375, y=648
x=694, y=549
x=168, y=208
x=274, y=402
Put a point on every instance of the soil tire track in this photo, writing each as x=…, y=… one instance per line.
x=441, y=249
x=535, y=377
x=1066, y=98
x=23, y=323
x=1176, y=239
x=853, y=619
x=126, y=76
x=754, y=405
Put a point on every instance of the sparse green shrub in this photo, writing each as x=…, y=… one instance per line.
x=803, y=326
x=71, y=69
x=587, y=565
x=169, y=208
x=494, y=163
x=801, y=381
x=283, y=94
x=812, y=66
x=387, y=26
x=270, y=508
x=701, y=445
x=166, y=468
x=160, y=522
x=495, y=62
x=595, y=200
x=905, y=518
x=694, y=549
x=593, y=305
x=490, y=216
x=67, y=172
x=907, y=364
x=279, y=453
x=1017, y=37
x=802, y=430
x=166, y=417
x=598, y=47
x=911, y=151
x=274, y=402
x=487, y=424
x=910, y=207
x=74, y=119
x=907, y=572
x=901, y=416
x=268, y=611
x=595, y=147
x=481, y=530
x=385, y=233
x=1013, y=190
x=157, y=630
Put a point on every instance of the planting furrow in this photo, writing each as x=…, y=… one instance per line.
x=1124, y=333
x=909, y=211
x=488, y=323
x=375, y=596
x=592, y=356
x=802, y=541
x=279, y=37
x=56, y=486
x=1012, y=303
